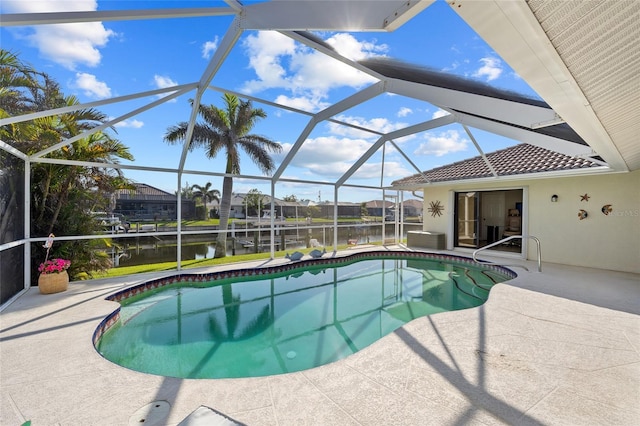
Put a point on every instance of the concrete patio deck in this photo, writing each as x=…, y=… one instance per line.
x=561, y=347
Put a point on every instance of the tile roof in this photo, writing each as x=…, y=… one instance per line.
x=375, y=204
x=143, y=191
x=516, y=160
x=413, y=203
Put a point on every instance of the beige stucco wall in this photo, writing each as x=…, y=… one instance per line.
x=603, y=241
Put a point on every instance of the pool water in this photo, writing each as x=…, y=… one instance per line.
x=285, y=322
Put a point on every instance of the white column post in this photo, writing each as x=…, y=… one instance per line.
x=27, y=223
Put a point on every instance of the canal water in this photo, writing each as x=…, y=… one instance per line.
x=155, y=249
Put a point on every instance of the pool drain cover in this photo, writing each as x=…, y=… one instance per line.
x=151, y=414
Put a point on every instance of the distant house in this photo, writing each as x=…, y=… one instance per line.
x=413, y=208
x=281, y=208
x=345, y=209
x=146, y=202
x=291, y=208
x=379, y=208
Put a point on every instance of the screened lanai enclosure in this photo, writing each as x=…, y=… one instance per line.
x=349, y=92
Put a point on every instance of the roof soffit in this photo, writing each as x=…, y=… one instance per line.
x=515, y=33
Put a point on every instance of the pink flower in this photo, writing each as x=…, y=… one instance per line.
x=53, y=266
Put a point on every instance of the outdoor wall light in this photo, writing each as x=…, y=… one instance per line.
x=554, y=198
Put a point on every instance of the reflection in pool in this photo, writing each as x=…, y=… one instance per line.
x=285, y=321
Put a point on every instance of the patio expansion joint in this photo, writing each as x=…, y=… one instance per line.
x=15, y=408
x=612, y=367
x=633, y=343
x=324, y=394
x=534, y=320
x=527, y=413
x=272, y=404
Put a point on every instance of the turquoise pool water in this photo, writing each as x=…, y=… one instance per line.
x=285, y=321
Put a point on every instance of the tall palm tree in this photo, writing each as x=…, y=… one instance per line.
x=228, y=129
x=16, y=78
x=206, y=194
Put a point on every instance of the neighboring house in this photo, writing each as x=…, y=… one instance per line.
x=345, y=209
x=291, y=209
x=281, y=208
x=379, y=208
x=412, y=208
x=583, y=214
x=146, y=202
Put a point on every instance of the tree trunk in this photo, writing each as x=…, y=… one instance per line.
x=62, y=199
x=225, y=210
x=45, y=195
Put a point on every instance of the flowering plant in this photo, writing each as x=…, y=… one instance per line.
x=54, y=266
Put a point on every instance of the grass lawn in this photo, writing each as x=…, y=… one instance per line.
x=316, y=220
x=197, y=263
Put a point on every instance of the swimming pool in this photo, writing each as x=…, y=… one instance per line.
x=258, y=322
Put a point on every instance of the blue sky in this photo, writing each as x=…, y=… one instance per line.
x=101, y=60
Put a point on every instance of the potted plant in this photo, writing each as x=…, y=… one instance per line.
x=53, y=272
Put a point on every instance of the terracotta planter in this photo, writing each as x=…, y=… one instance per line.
x=53, y=283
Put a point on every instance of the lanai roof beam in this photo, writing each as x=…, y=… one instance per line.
x=48, y=18
x=331, y=15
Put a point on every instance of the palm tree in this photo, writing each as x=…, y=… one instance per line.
x=228, y=129
x=62, y=196
x=16, y=80
x=206, y=194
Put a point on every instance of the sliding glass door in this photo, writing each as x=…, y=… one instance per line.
x=484, y=217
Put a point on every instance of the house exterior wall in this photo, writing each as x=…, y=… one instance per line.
x=143, y=209
x=602, y=241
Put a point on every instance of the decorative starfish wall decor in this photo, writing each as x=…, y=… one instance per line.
x=435, y=208
x=584, y=197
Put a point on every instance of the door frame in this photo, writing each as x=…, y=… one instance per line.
x=476, y=223
x=452, y=228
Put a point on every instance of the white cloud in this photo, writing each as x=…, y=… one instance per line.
x=91, y=86
x=404, y=111
x=392, y=169
x=381, y=125
x=279, y=63
x=439, y=113
x=133, y=124
x=265, y=50
x=349, y=47
x=66, y=44
x=328, y=156
x=442, y=143
x=209, y=47
x=162, y=82
x=491, y=68
x=309, y=104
